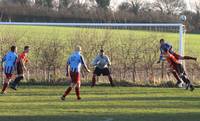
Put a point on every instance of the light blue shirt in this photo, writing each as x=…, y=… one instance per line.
x=10, y=59
x=75, y=61
x=101, y=61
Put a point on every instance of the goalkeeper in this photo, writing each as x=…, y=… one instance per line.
x=101, y=64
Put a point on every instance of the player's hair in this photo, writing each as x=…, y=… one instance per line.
x=26, y=47
x=162, y=40
x=13, y=48
x=101, y=50
x=78, y=48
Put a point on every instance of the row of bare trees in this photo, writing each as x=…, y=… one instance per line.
x=168, y=7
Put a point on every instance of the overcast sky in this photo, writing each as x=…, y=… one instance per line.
x=190, y=3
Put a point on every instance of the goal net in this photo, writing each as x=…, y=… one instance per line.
x=132, y=48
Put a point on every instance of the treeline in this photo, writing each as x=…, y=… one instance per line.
x=99, y=11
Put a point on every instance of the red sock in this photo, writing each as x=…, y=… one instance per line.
x=5, y=85
x=111, y=81
x=93, y=81
x=77, y=89
x=67, y=91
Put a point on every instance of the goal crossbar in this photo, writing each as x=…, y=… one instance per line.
x=95, y=24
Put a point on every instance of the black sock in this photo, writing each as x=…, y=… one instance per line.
x=186, y=80
x=17, y=80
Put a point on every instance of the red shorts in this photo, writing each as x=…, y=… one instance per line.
x=177, y=56
x=75, y=76
x=8, y=76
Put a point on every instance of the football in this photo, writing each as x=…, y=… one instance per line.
x=182, y=18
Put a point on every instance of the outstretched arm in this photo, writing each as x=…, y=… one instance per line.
x=2, y=61
x=161, y=58
x=108, y=61
x=2, y=65
x=67, y=67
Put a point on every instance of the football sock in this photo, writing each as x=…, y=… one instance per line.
x=77, y=90
x=16, y=81
x=5, y=85
x=93, y=81
x=111, y=81
x=186, y=80
x=67, y=91
x=177, y=78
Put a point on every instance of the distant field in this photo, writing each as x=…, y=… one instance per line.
x=32, y=34
x=100, y=104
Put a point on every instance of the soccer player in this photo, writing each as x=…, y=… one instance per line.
x=178, y=69
x=164, y=47
x=21, y=67
x=74, y=62
x=8, y=65
x=101, y=64
x=167, y=47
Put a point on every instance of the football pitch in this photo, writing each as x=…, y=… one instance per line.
x=42, y=103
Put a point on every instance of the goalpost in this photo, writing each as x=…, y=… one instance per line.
x=114, y=32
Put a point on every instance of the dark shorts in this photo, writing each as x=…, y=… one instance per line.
x=179, y=69
x=104, y=71
x=20, y=69
x=75, y=76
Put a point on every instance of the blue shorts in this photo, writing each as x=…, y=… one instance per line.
x=9, y=69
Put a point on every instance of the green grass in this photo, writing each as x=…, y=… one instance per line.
x=100, y=104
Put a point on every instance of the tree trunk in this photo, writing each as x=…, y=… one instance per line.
x=134, y=72
x=54, y=74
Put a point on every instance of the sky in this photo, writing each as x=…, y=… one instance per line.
x=190, y=3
